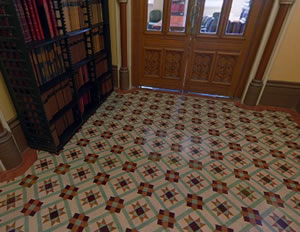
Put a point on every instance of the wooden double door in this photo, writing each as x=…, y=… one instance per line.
x=195, y=45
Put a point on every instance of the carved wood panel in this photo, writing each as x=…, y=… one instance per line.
x=152, y=62
x=225, y=68
x=201, y=66
x=173, y=64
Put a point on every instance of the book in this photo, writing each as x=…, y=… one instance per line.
x=29, y=19
x=44, y=18
x=66, y=10
x=35, y=71
x=38, y=20
x=23, y=22
x=34, y=20
x=69, y=118
x=77, y=48
x=60, y=125
x=52, y=17
x=54, y=135
x=59, y=97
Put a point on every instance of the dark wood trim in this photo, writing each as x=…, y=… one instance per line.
x=280, y=18
x=135, y=5
x=255, y=43
x=15, y=126
x=281, y=94
x=253, y=93
x=123, y=27
x=115, y=75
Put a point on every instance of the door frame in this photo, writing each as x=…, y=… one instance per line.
x=250, y=57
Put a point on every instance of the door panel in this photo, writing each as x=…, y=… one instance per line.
x=202, y=66
x=196, y=45
x=173, y=64
x=227, y=44
x=163, y=57
x=152, y=62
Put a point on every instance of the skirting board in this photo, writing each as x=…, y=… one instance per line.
x=282, y=94
x=115, y=74
x=18, y=134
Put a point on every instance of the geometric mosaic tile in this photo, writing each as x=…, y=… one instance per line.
x=166, y=219
x=31, y=207
x=78, y=222
x=252, y=216
x=149, y=161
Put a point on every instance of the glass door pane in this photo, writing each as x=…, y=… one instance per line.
x=211, y=16
x=178, y=15
x=238, y=17
x=155, y=15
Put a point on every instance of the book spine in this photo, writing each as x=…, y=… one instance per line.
x=34, y=69
x=38, y=20
x=67, y=15
x=29, y=21
x=22, y=18
x=47, y=11
x=40, y=64
x=34, y=19
x=52, y=16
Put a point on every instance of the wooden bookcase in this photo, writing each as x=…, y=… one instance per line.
x=55, y=97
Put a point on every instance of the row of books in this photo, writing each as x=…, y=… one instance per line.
x=61, y=124
x=98, y=40
x=57, y=98
x=101, y=67
x=37, y=19
x=77, y=48
x=74, y=12
x=47, y=62
x=96, y=12
x=106, y=85
x=84, y=101
x=81, y=76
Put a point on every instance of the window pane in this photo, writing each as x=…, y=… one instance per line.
x=211, y=16
x=178, y=15
x=155, y=15
x=238, y=17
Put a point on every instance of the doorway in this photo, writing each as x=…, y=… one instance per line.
x=196, y=45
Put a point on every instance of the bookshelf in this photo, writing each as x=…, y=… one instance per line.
x=56, y=61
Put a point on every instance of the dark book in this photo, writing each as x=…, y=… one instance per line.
x=34, y=20
x=38, y=20
x=23, y=22
x=43, y=18
x=28, y=19
x=52, y=17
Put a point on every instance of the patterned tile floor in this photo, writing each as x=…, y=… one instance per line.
x=148, y=161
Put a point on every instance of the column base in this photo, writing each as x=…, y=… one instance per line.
x=253, y=92
x=124, y=78
x=115, y=75
x=9, y=153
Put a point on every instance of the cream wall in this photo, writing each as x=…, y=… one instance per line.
x=6, y=105
x=285, y=65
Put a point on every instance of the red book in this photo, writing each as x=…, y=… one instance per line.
x=53, y=20
x=46, y=9
x=38, y=20
x=29, y=20
x=22, y=18
x=34, y=19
